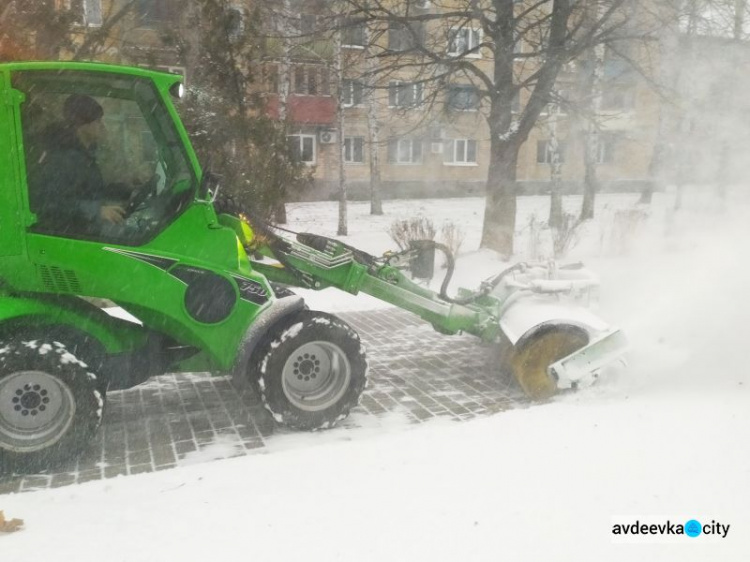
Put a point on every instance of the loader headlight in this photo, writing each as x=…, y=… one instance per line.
x=177, y=90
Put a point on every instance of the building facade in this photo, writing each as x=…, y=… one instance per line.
x=433, y=138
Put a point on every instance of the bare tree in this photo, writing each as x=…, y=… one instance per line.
x=477, y=42
x=594, y=94
x=284, y=86
x=665, y=83
x=35, y=29
x=707, y=121
x=555, y=164
x=373, y=124
x=338, y=66
x=97, y=38
x=725, y=155
x=226, y=112
x=45, y=29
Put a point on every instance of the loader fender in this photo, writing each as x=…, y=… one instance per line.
x=266, y=319
x=115, y=336
x=523, y=318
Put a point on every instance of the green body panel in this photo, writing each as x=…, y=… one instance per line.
x=10, y=206
x=44, y=264
x=391, y=285
x=117, y=336
x=151, y=293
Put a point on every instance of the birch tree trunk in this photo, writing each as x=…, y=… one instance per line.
x=4, y=13
x=724, y=161
x=339, y=72
x=591, y=152
x=739, y=19
x=555, y=166
x=685, y=124
x=284, y=88
x=373, y=127
x=670, y=77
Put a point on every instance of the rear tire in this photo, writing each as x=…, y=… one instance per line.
x=529, y=363
x=310, y=370
x=50, y=407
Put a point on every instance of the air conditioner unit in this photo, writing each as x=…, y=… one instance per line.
x=328, y=137
x=436, y=147
x=422, y=4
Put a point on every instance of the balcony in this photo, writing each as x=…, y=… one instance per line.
x=305, y=110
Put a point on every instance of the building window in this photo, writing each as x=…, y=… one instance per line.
x=351, y=93
x=307, y=24
x=618, y=99
x=460, y=152
x=405, y=151
x=154, y=12
x=606, y=149
x=302, y=148
x=235, y=21
x=171, y=69
x=310, y=80
x=354, y=150
x=404, y=94
x=463, y=97
x=558, y=103
x=353, y=33
x=92, y=13
x=544, y=153
x=464, y=41
x=270, y=76
x=405, y=37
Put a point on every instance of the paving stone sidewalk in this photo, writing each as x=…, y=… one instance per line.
x=416, y=375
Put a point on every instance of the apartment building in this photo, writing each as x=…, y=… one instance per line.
x=433, y=140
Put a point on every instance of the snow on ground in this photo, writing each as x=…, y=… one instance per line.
x=665, y=437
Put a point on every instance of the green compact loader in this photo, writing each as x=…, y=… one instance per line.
x=205, y=283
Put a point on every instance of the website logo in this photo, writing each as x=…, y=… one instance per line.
x=667, y=529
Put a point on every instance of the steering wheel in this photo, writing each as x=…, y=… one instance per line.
x=146, y=192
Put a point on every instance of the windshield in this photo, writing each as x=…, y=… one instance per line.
x=104, y=159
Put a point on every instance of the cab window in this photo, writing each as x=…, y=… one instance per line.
x=104, y=160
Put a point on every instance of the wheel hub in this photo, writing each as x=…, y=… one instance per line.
x=30, y=400
x=307, y=367
x=316, y=376
x=36, y=409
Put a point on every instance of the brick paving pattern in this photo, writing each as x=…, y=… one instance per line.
x=416, y=375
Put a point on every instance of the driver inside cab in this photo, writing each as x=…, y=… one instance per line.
x=68, y=192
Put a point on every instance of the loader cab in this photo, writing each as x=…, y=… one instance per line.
x=104, y=158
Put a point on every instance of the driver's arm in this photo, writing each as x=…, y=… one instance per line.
x=114, y=214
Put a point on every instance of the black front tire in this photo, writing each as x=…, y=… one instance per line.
x=50, y=407
x=310, y=370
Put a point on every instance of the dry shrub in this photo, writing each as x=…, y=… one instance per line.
x=565, y=236
x=535, y=250
x=625, y=227
x=452, y=236
x=405, y=230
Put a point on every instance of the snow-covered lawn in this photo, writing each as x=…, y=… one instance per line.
x=664, y=439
